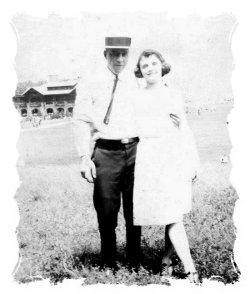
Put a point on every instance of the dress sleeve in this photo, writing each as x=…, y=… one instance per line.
x=190, y=150
x=83, y=119
x=177, y=104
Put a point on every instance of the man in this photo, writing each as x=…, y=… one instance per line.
x=104, y=112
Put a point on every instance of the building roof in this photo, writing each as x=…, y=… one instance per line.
x=27, y=90
x=57, y=92
x=43, y=89
x=62, y=83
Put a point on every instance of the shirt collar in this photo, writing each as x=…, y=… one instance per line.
x=121, y=76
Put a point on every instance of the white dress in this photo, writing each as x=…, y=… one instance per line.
x=166, y=159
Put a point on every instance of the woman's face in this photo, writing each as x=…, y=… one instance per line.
x=151, y=69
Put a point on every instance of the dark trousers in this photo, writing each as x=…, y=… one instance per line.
x=115, y=180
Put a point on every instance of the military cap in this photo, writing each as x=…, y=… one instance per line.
x=117, y=42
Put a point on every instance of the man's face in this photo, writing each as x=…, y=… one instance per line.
x=117, y=59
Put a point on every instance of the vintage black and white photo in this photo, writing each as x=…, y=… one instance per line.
x=124, y=153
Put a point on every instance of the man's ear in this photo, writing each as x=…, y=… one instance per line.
x=105, y=53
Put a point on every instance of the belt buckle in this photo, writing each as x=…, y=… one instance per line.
x=125, y=141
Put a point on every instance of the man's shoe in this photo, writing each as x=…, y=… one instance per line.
x=134, y=267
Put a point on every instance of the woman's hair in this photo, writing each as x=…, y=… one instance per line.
x=146, y=53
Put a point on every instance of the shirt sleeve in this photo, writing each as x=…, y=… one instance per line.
x=83, y=119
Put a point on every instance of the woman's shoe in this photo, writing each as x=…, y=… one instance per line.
x=193, y=277
x=166, y=270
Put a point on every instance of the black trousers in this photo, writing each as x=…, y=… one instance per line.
x=115, y=180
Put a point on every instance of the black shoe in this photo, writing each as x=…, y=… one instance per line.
x=134, y=267
x=134, y=263
x=109, y=268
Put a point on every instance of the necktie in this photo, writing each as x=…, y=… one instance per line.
x=107, y=116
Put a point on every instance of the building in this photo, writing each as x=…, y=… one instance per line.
x=55, y=97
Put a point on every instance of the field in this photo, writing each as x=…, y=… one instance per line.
x=57, y=233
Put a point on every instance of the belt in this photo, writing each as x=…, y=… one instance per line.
x=115, y=144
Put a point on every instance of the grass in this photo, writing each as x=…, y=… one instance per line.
x=57, y=233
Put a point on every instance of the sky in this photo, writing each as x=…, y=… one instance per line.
x=198, y=48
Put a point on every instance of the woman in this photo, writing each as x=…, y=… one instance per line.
x=166, y=162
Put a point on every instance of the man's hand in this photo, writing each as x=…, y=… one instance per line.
x=175, y=119
x=87, y=168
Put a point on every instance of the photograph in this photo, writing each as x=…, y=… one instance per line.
x=124, y=152
x=124, y=155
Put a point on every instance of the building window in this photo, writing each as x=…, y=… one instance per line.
x=49, y=110
x=60, y=110
x=36, y=111
x=23, y=112
x=35, y=99
x=69, y=112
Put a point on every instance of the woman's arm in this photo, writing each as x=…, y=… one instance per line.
x=190, y=150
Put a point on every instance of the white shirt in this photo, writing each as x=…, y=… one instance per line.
x=92, y=101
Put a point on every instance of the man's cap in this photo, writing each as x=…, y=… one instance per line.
x=117, y=42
